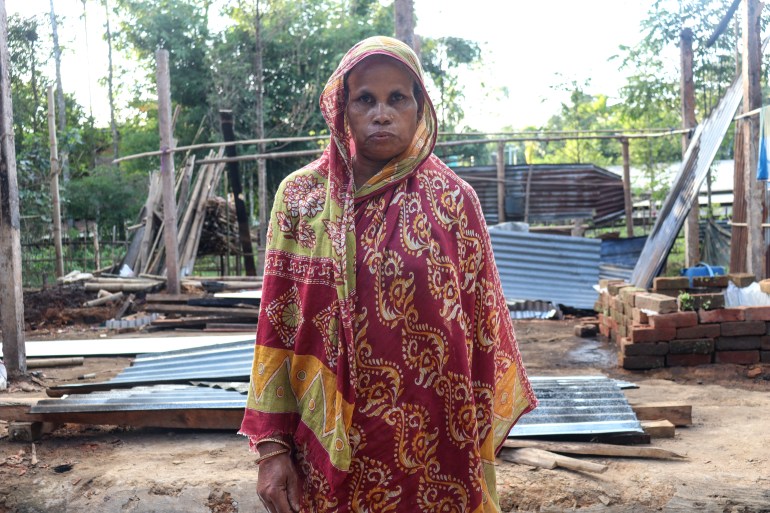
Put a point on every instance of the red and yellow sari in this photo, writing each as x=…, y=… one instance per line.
x=384, y=346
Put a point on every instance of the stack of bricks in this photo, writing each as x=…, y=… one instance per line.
x=674, y=325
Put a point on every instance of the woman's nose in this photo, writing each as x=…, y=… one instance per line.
x=382, y=113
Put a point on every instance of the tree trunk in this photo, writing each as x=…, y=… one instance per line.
x=11, y=299
x=404, y=18
x=64, y=159
x=110, y=90
x=261, y=164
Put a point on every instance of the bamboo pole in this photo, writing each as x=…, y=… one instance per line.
x=629, y=207
x=687, y=95
x=54, y=178
x=752, y=99
x=11, y=298
x=501, y=182
x=167, y=173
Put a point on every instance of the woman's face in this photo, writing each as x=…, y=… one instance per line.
x=382, y=110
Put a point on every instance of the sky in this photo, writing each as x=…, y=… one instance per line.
x=528, y=48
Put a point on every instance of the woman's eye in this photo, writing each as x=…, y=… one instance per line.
x=365, y=99
x=397, y=97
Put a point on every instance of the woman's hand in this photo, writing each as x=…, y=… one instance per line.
x=278, y=483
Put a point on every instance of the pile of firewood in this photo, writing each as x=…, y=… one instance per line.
x=219, y=234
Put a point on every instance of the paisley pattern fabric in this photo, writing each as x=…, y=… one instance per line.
x=384, y=345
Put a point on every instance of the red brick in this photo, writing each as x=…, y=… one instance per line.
x=674, y=320
x=764, y=343
x=628, y=295
x=713, y=301
x=646, y=334
x=656, y=302
x=639, y=317
x=757, y=313
x=604, y=330
x=670, y=283
x=687, y=360
x=738, y=357
x=742, y=279
x=692, y=346
x=628, y=348
x=764, y=286
x=710, y=281
x=604, y=283
x=699, y=331
x=739, y=329
x=614, y=288
x=642, y=362
x=764, y=356
x=737, y=343
x=722, y=315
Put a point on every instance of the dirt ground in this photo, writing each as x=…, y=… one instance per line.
x=113, y=469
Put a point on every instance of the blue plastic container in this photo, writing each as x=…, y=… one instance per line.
x=702, y=269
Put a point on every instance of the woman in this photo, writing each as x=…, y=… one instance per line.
x=386, y=373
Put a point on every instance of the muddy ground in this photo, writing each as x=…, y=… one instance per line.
x=115, y=469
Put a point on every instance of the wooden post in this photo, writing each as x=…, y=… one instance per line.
x=501, y=182
x=687, y=95
x=11, y=298
x=167, y=173
x=627, y=189
x=404, y=20
x=234, y=174
x=264, y=211
x=54, y=176
x=752, y=99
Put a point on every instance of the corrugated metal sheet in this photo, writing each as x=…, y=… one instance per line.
x=703, y=148
x=555, y=268
x=225, y=362
x=577, y=405
x=557, y=191
x=158, y=397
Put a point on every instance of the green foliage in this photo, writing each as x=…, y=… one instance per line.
x=107, y=195
x=441, y=59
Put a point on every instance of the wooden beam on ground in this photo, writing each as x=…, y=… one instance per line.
x=167, y=172
x=659, y=428
x=549, y=460
x=36, y=363
x=224, y=418
x=677, y=414
x=594, y=449
x=11, y=298
x=243, y=311
x=687, y=95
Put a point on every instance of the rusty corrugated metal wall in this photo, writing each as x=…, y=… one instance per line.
x=557, y=192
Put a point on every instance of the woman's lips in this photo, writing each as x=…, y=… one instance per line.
x=381, y=136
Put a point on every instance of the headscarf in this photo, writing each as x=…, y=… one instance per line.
x=304, y=372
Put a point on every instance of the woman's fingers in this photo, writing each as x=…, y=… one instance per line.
x=294, y=489
x=277, y=485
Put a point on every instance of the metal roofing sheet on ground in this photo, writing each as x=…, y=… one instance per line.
x=577, y=405
x=225, y=362
x=158, y=397
x=113, y=346
x=555, y=268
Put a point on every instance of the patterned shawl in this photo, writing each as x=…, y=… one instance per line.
x=304, y=377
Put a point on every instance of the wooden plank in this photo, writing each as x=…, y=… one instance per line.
x=545, y=459
x=594, y=449
x=37, y=363
x=677, y=414
x=169, y=298
x=249, y=312
x=199, y=321
x=230, y=326
x=224, y=418
x=659, y=428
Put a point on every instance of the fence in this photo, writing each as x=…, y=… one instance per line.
x=85, y=248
